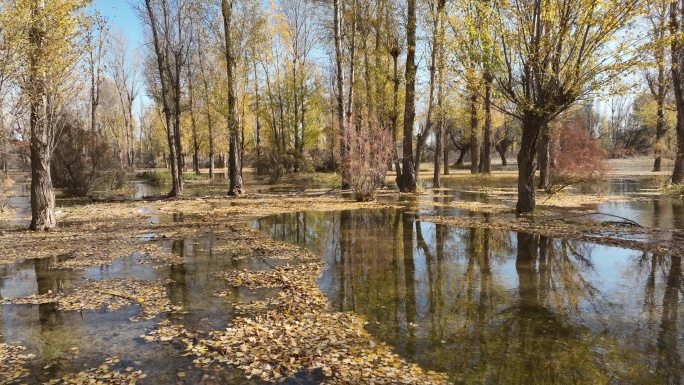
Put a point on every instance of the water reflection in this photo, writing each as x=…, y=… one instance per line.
x=53, y=335
x=489, y=306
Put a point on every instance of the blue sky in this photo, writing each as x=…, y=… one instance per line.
x=120, y=15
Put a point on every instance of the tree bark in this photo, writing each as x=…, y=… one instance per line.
x=395, y=111
x=445, y=150
x=461, y=157
x=42, y=131
x=345, y=141
x=527, y=164
x=193, y=122
x=502, y=153
x=408, y=175
x=487, y=129
x=474, y=135
x=210, y=123
x=661, y=90
x=234, y=167
x=678, y=86
x=436, y=182
x=258, y=121
x=544, y=158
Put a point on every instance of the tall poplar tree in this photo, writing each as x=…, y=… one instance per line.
x=47, y=39
x=407, y=180
x=234, y=168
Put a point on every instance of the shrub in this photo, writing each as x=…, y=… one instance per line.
x=371, y=151
x=577, y=158
x=322, y=160
x=80, y=160
x=272, y=164
x=6, y=184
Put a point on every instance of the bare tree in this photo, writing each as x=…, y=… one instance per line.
x=407, y=180
x=123, y=64
x=659, y=83
x=167, y=21
x=234, y=166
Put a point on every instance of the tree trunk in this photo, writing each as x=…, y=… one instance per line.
x=234, y=167
x=434, y=54
x=527, y=164
x=258, y=121
x=436, y=183
x=544, y=158
x=42, y=194
x=295, y=96
x=205, y=94
x=408, y=176
x=502, y=153
x=163, y=66
x=474, y=135
x=660, y=122
x=395, y=113
x=445, y=150
x=487, y=134
x=211, y=144
x=678, y=86
x=461, y=157
x=193, y=123
x=345, y=141
x=177, y=179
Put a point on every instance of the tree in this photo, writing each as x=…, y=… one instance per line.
x=47, y=42
x=234, y=166
x=407, y=180
x=677, y=51
x=554, y=54
x=123, y=63
x=96, y=35
x=437, y=10
x=167, y=21
x=345, y=139
x=656, y=77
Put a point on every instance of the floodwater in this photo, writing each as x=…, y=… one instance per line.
x=497, y=307
x=484, y=306
x=71, y=341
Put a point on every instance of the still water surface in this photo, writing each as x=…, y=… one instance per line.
x=491, y=306
x=71, y=341
x=484, y=306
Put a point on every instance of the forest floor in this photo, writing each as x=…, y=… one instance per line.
x=298, y=329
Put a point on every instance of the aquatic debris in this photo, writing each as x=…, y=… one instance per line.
x=79, y=247
x=472, y=206
x=112, y=294
x=161, y=259
x=579, y=200
x=102, y=374
x=303, y=333
x=166, y=332
x=12, y=360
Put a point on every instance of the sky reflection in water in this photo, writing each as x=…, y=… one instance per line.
x=490, y=306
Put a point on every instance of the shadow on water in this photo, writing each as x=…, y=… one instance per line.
x=490, y=306
x=71, y=341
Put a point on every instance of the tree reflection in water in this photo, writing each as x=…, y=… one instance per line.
x=489, y=306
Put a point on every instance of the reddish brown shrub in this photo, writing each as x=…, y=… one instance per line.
x=371, y=150
x=577, y=158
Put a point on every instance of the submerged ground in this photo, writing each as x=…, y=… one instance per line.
x=447, y=285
